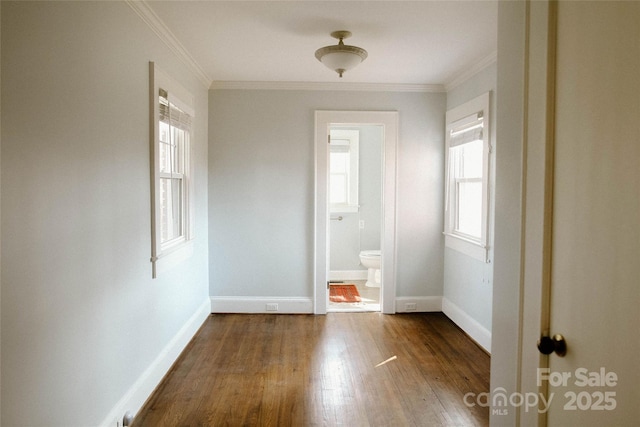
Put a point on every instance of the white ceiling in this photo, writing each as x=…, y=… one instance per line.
x=409, y=42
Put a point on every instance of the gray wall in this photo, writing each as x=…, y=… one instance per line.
x=468, y=282
x=346, y=237
x=261, y=188
x=82, y=319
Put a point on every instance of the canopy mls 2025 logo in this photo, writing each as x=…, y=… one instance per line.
x=597, y=393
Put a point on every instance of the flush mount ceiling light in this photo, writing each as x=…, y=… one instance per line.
x=341, y=57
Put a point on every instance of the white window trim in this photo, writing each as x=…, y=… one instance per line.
x=474, y=248
x=179, y=248
x=353, y=136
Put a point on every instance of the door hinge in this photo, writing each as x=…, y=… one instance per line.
x=328, y=139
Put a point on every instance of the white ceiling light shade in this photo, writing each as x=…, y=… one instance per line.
x=341, y=57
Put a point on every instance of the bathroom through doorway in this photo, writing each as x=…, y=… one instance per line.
x=355, y=210
x=355, y=217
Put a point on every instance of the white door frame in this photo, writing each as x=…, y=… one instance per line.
x=526, y=83
x=389, y=122
x=538, y=149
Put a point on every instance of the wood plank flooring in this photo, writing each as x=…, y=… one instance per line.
x=306, y=370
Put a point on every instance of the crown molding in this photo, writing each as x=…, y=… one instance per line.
x=144, y=11
x=327, y=86
x=470, y=71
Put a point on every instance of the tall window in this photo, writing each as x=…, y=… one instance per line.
x=467, y=192
x=174, y=132
x=171, y=116
x=343, y=170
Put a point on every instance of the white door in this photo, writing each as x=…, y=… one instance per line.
x=595, y=264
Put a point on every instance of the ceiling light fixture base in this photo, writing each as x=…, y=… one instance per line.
x=341, y=35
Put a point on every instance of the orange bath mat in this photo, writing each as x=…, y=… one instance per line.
x=344, y=293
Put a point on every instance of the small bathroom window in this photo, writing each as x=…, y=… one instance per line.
x=343, y=170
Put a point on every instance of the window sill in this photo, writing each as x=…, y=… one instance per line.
x=468, y=247
x=174, y=255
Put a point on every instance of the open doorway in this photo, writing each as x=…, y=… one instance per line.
x=387, y=124
x=355, y=225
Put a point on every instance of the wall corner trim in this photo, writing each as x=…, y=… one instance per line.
x=143, y=387
x=327, y=86
x=471, y=71
x=477, y=332
x=146, y=13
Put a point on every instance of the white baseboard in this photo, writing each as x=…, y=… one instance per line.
x=144, y=386
x=475, y=330
x=422, y=304
x=348, y=275
x=282, y=305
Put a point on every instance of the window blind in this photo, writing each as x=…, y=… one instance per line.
x=466, y=130
x=171, y=114
x=339, y=145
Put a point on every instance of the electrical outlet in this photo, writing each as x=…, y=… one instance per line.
x=411, y=306
x=272, y=306
x=361, y=224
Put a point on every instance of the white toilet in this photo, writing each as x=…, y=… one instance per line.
x=371, y=260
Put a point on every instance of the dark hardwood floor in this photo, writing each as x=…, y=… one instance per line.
x=306, y=370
